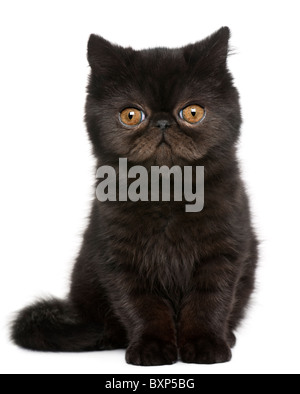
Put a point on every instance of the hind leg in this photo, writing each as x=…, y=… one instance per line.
x=83, y=322
x=244, y=290
x=90, y=300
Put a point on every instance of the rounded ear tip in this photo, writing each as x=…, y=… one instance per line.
x=95, y=39
x=92, y=40
x=92, y=37
x=226, y=31
x=96, y=45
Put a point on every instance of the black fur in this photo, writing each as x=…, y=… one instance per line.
x=150, y=277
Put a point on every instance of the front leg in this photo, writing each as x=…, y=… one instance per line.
x=203, y=321
x=153, y=339
x=149, y=321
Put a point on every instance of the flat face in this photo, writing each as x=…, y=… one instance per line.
x=161, y=106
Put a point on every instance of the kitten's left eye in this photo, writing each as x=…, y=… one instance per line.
x=132, y=117
x=192, y=114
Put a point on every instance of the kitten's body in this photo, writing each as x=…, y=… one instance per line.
x=150, y=277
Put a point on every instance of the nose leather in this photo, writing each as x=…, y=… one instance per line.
x=163, y=124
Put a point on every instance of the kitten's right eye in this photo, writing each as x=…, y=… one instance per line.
x=132, y=117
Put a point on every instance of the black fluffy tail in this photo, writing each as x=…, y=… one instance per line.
x=53, y=325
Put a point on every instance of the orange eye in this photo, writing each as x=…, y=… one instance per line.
x=192, y=114
x=132, y=116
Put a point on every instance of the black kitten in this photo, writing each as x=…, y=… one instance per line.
x=150, y=277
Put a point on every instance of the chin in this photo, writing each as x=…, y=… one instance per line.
x=164, y=156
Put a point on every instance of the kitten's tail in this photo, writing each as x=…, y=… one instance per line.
x=54, y=325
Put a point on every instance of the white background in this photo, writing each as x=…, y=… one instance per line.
x=47, y=169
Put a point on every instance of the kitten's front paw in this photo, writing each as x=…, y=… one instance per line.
x=152, y=352
x=206, y=351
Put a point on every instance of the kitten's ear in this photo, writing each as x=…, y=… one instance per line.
x=210, y=53
x=102, y=55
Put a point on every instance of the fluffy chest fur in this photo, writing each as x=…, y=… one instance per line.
x=160, y=242
x=157, y=242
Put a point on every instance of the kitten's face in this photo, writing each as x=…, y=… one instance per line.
x=161, y=106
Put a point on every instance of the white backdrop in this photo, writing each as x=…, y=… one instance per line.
x=46, y=167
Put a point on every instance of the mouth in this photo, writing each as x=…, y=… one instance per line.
x=163, y=142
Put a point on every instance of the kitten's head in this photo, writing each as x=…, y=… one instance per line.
x=161, y=106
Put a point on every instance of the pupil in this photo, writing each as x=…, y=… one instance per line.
x=194, y=112
x=131, y=115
